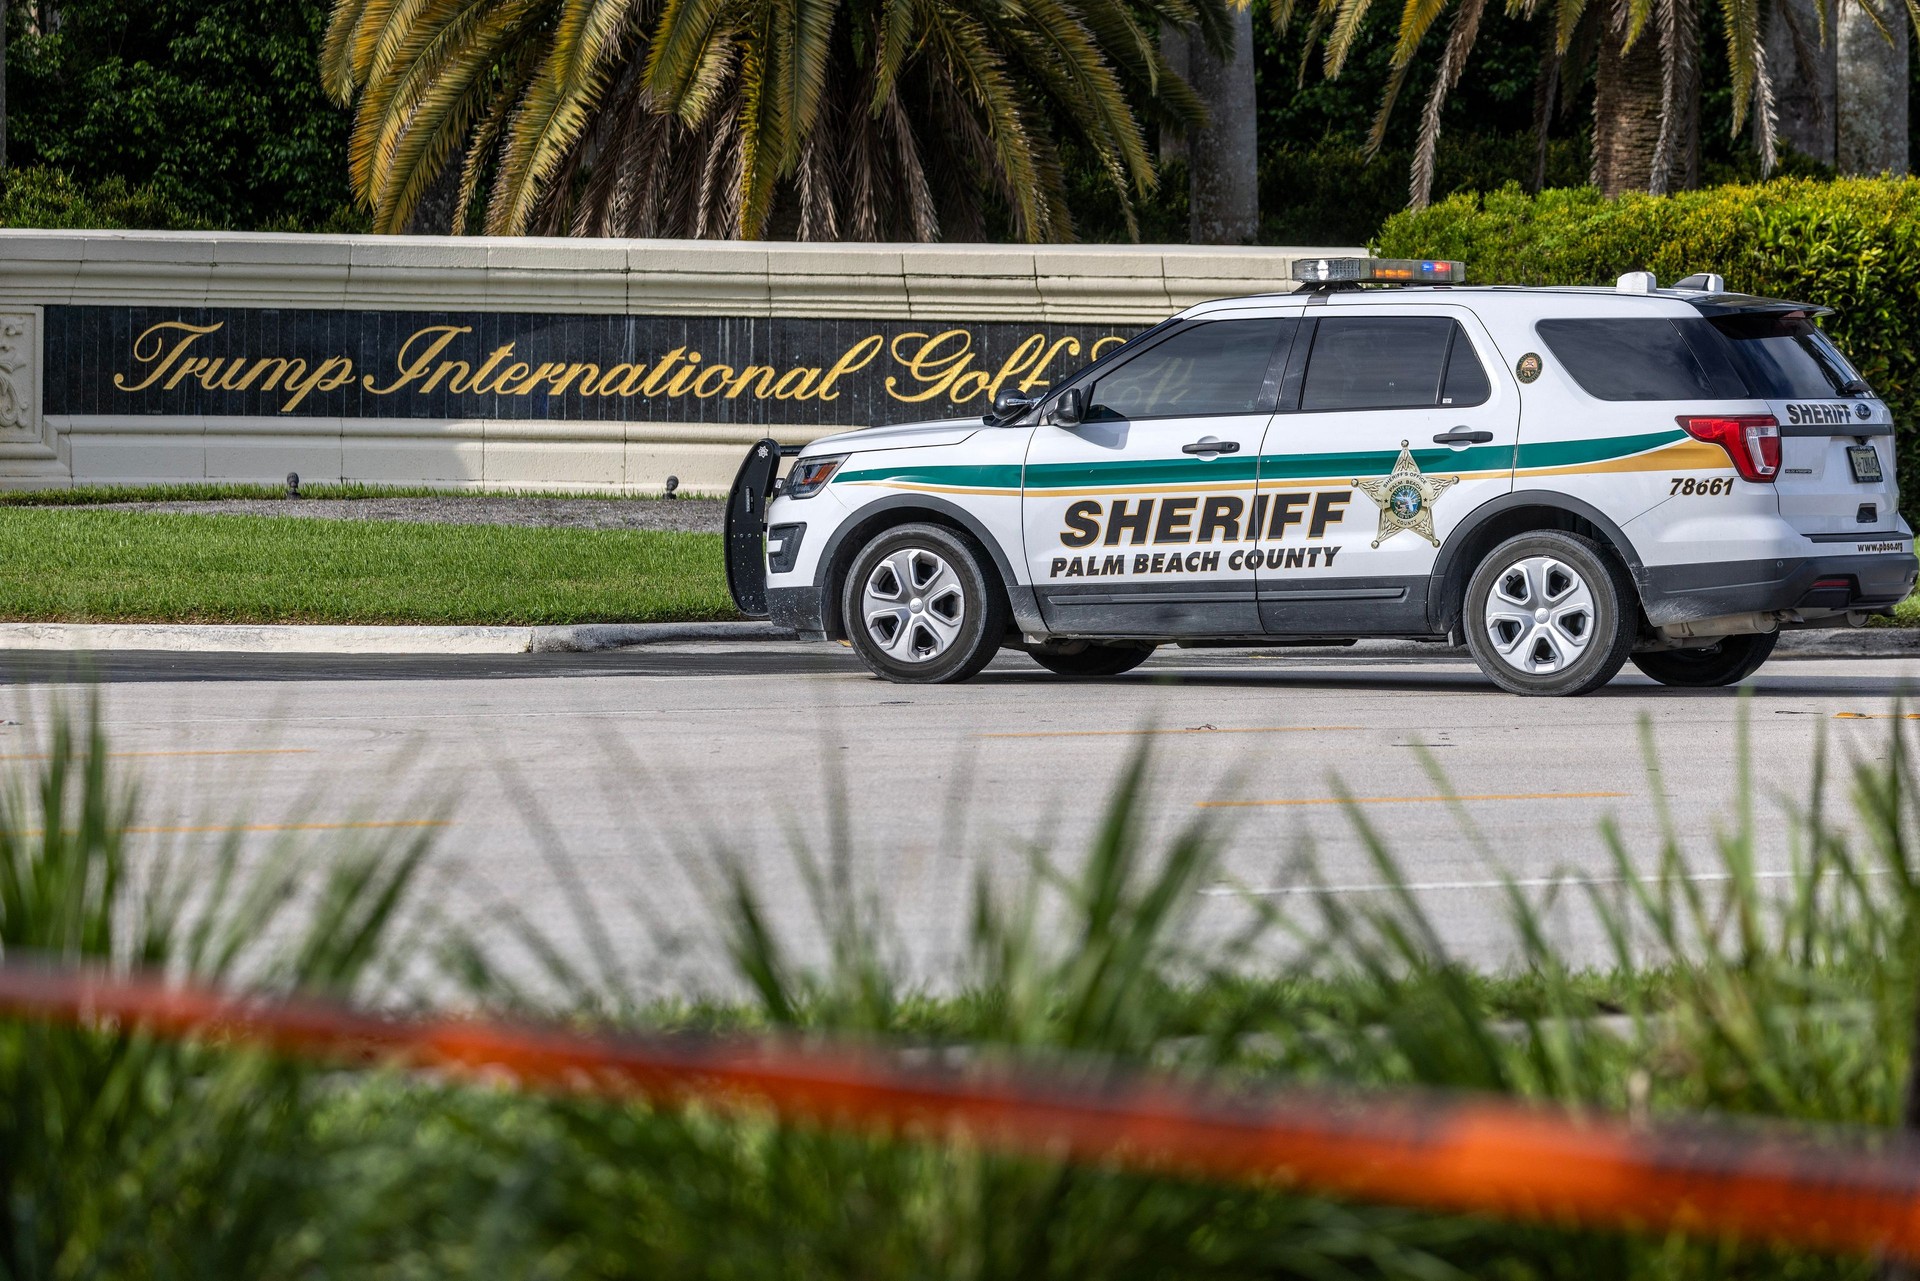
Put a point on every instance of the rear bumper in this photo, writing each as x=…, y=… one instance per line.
x=1874, y=583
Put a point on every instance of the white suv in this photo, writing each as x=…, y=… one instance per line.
x=1565, y=479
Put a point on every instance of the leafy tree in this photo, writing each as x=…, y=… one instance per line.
x=815, y=119
x=213, y=104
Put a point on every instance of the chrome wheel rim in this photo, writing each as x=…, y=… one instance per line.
x=1539, y=617
x=913, y=605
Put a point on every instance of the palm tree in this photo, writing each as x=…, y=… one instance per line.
x=1646, y=79
x=814, y=119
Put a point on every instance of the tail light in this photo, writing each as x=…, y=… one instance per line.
x=1752, y=441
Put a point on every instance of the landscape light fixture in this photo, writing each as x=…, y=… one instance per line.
x=293, y=484
x=673, y=483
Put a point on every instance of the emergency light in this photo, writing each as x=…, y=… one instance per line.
x=1378, y=271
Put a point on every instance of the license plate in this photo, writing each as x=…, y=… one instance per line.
x=1865, y=461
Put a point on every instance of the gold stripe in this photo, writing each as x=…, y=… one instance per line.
x=1690, y=455
x=1418, y=800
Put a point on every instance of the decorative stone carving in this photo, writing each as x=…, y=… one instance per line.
x=19, y=398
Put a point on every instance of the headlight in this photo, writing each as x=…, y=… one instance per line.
x=810, y=475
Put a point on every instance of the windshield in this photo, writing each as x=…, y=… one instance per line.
x=1786, y=357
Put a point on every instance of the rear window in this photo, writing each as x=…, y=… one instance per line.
x=1753, y=356
x=1644, y=358
x=1787, y=357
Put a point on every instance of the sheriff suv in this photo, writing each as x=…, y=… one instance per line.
x=1563, y=479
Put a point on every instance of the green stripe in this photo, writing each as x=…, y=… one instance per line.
x=1567, y=453
x=1380, y=461
x=981, y=477
x=1190, y=471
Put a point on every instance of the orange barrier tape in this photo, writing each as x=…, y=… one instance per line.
x=1771, y=1183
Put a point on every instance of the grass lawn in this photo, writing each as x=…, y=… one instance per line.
x=73, y=565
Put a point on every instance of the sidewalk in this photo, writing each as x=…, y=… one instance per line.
x=1873, y=642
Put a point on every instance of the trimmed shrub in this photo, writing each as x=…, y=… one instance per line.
x=1849, y=244
x=51, y=199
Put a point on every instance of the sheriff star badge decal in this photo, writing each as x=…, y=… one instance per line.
x=1405, y=497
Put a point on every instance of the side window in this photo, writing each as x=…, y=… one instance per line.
x=1639, y=358
x=1392, y=362
x=1467, y=382
x=1221, y=367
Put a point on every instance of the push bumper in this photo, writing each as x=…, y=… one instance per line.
x=1866, y=583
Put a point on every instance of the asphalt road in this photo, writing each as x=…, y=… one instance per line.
x=601, y=792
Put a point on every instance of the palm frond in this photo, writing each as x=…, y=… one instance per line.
x=1566, y=22
x=678, y=47
x=1416, y=19
x=1678, y=25
x=754, y=117
x=1346, y=17
x=554, y=110
x=341, y=67
x=1466, y=28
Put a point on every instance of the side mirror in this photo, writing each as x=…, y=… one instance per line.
x=1070, y=408
x=1009, y=405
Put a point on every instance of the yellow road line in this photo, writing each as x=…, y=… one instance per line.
x=1193, y=729
x=1418, y=800
x=122, y=756
x=1875, y=716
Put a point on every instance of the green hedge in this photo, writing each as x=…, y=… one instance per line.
x=40, y=197
x=1851, y=244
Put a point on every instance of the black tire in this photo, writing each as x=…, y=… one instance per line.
x=1094, y=660
x=1728, y=662
x=1565, y=618
x=952, y=612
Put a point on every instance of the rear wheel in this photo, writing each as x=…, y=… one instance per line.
x=1727, y=662
x=1550, y=613
x=923, y=606
x=1094, y=660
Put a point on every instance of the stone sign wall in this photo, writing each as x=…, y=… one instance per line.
x=154, y=357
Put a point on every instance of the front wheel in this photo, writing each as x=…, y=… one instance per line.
x=1728, y=661
x=1093, y=660
x=923, y=606
x=1550, y=613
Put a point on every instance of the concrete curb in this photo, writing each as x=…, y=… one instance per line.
x=1867, y=642
x=267, y=639
x=296, y=638
x=587, y=638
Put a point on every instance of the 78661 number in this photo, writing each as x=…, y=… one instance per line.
x=1689, y=485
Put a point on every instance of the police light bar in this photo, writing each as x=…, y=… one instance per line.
x=1378, y=271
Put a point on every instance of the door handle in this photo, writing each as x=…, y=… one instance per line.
x=1463, y=436
x=1208, y=445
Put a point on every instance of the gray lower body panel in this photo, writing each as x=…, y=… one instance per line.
x=1150, y=611
x=1682, y=593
